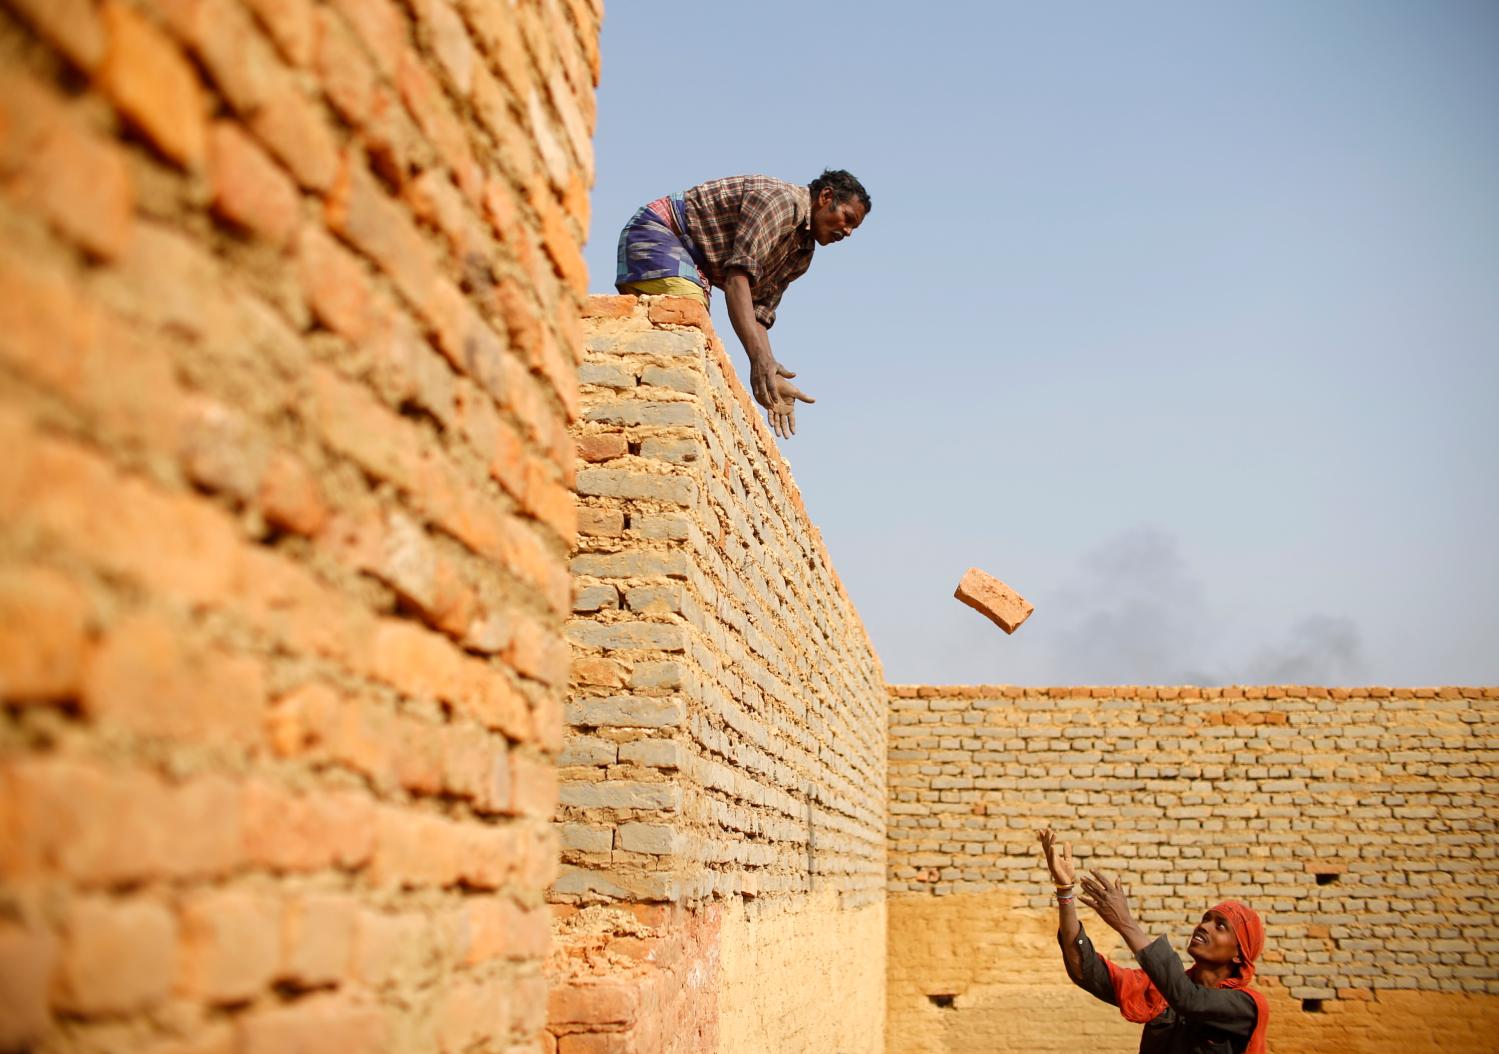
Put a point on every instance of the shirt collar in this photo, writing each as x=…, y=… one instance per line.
x=803, y=213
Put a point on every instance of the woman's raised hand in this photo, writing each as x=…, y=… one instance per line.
x=1108, y=898
x=1058, y=859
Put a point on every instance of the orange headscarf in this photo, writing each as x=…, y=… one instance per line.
x=1141, y=1001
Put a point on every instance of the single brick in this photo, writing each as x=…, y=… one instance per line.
x=626, y=711
x=346, y=75
x=388, y=945
x=602, y=446
x=600, y=523
x=468, y=1011
x=603, y=1003
x=476, y=765
x=77, y=180
x=609, y=306
x=679, y=311
x=588, y=751
x=533, y=785
x=595, y=1043
x=595, y=598
x=656, y=839
x=623, y=794
x=336, y=286
x=605, y=375
x=640, y=486
x=72, y=26
x=653, y=753
x=675, y=451
x=147, y=77
x=147, y=678
x=644, y=412
x=665, y=343
x=663, y=674
x=119, y=956
x=28, y=959
x=416, y=849
x=231, y=944
x=317, y=936
x=593, y=669
x=290, y=498
x=332, y=1022
x=993, y=599
x=249, y=189
x=497, y=927
x=654, y=599
x=630, y=564
x=290, y=23
x=294, y=129
x=43, y=630
x=656, y=636
x=678, y=379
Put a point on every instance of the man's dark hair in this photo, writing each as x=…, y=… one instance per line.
x=843, y=185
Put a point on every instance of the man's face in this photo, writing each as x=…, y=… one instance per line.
x=834, y=220
x=1213, y=942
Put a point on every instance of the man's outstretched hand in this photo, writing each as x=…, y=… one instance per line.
x=764, y=370
x=782, y=415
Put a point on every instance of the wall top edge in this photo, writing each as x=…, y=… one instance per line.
x=1168, y=692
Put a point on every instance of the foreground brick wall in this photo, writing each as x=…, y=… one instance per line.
x=288, y=331
x=726, y=727
x=1359, y=822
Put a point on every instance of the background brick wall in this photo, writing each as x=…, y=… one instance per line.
x=289, y=297
x=1359, y=822
x=726, y=723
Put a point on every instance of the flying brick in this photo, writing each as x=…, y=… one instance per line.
x=990, y=597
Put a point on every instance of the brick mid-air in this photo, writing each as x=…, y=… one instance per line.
x=994, y=600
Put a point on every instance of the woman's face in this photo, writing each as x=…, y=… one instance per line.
x=1213, y=942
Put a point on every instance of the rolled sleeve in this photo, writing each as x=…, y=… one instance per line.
x=765, y=310
x=1093, y=977
x=1223, y=1008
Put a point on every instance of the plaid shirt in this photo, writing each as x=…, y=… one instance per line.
x=757, y=224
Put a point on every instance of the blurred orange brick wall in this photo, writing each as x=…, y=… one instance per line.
x=289, y=332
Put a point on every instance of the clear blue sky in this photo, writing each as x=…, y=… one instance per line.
x=1181, y=318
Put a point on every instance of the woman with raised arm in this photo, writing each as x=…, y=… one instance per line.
x=1208, y=1009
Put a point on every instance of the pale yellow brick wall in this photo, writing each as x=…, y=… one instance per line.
x=1195, y=795
x=726, y=723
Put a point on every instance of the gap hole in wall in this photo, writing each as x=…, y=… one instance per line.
x=942, y=999
x=1312, y=1006
x=1326, y=878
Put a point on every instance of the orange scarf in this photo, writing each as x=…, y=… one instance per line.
x=1140, y=1000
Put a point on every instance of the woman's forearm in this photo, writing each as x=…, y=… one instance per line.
x=1068, y=931
x=1135, y=937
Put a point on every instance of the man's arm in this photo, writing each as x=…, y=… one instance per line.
x=754, y=336
x=768, y=378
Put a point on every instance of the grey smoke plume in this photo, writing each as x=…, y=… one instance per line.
x=1319, y=649
x=1136, y=613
